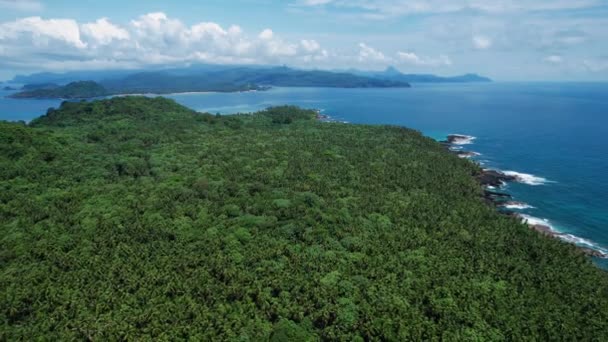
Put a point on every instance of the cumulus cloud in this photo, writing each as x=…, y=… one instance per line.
x=103, y=32
x=153, y=38
x=41, y=33
x=413, y=59
x=310, y=45
x=369, y=54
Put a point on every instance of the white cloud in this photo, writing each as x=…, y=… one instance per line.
x=553, y=59
x=21, y=5
x=369, y=54
x=103, y=32
x=153, y=38
x=310, y=45
x=267, y=34
x=482, y=42
x=413, y=59
x=42, y=33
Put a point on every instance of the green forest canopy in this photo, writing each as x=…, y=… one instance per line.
x=74, y=90
x=137, y=218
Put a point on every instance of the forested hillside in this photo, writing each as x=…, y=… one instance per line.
x=137, y=218
x=74, y=90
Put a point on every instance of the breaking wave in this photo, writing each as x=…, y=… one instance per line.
x=566, y=237
x=517, y=206
x=461, y=139
x=527, y=178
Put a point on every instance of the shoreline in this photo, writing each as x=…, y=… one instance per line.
x=493, y=182
x=10, y=96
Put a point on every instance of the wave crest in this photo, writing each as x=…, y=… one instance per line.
x=526, y=178
x=533, y=221
x=517, y=205
x=566, y=237
x=461, y=139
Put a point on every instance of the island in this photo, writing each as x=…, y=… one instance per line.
x=91, y=89
x=138, y=218
x=228, y=80
x=393, y=74
x=74, y=90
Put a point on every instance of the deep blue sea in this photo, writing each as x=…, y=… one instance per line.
x=554, y=134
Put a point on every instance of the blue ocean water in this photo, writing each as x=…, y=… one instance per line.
x=557, y=132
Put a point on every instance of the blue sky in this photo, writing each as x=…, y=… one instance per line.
x=504, y=39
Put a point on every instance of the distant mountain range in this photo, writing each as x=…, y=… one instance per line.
x=83, y=84
x=199, y=78
x=391, y=73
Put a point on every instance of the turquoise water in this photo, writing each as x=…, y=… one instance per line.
x=556, y=132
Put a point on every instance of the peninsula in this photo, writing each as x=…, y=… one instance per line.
x=138, y=218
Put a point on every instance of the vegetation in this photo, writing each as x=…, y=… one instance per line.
x=224, y=80
x=240, y=79
x=74, y=90
x=287, y=77
x=393, y=74
x=136, y=218
x=35, y=86
x=165, y=83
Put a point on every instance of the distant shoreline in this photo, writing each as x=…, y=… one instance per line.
x=10, y=96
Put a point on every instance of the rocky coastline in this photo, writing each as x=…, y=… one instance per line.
x=493, y=180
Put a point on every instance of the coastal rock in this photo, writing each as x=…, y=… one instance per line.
x=593, y=253
x=459, y=139
x=321, y=116
x=515, y=205
x=466, y=154
x=494, y=178
x=549, y=231
x=495, y=194
x=546, y=230
x=496, y=198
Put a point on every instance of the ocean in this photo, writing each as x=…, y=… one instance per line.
x=554, y=136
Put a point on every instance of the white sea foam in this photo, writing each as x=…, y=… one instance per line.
x=577, y=240
x=570, y=238
x=461, y=139
x=536, y=221
x=526, y=178
x=469, y=155
x=517, y=206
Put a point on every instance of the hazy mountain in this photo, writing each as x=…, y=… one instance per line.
x=196, y=78
x=391, y=73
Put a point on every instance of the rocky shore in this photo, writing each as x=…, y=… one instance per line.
x=493, y=180
x=548, y=231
